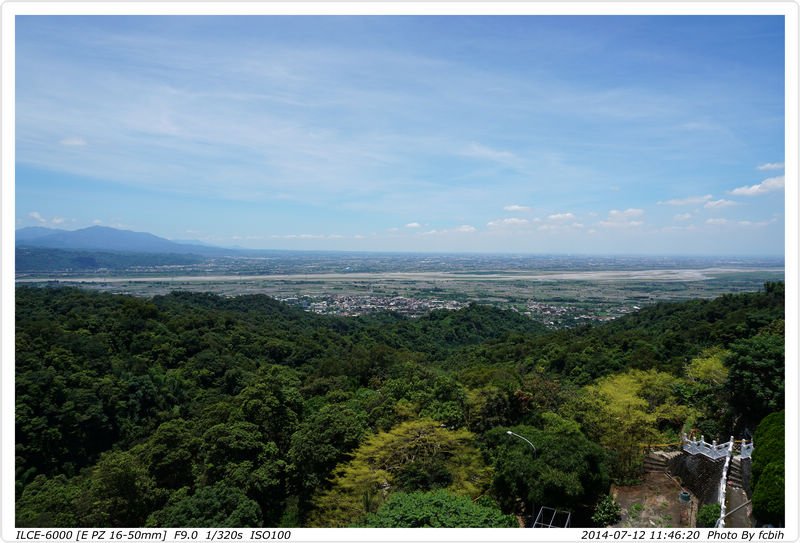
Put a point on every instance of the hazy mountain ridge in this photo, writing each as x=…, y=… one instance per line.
x=109, y=239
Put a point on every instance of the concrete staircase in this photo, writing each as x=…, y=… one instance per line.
x=735, y=472
x=659, y=461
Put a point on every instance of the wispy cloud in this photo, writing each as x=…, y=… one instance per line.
x=298, y=236
x=413, y=225
x=717, y=221
x=682, y=216
x=757, y=223
x=673, y=228
x=517, y=208
x=561, y=217
x=767, y=185
x=691, y=200
x=717, y=204
x=73, y=141
x=771, y=166
x=476, y=150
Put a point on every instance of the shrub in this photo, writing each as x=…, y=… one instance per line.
x=607, y=512
x=708, y=515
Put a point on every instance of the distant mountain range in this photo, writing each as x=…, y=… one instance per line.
x=104, y=238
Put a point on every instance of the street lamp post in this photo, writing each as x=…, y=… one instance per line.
x=526, y=440
x=509, y=432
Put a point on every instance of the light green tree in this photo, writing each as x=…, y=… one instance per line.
x=398, y=460
x=623, y=412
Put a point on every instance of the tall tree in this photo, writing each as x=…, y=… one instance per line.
x=405, y=455
x=564, y=470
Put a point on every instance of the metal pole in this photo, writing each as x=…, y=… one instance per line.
x=509, y=432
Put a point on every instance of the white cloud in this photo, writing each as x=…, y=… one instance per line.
x=716, y=204
x=620, y=224
x=463, y=229
x=628, y=213
x=97, y=221
x=717, y=221
x=511, y=221
x=73, y=141
x=622, y=219
x=767, y=185
x=757, y=223
x=37, y=216
x=413, y=225
x=561, y=217
x=690, y=200
x=515, y=207
x=771, y=166
x=682, y=217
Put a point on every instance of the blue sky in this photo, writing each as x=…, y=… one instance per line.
x=650, y=135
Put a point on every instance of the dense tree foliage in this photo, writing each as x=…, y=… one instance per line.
x=565, y=470
x=768, y=470
x=437, y=509
x=212, y=411
x=768, y=495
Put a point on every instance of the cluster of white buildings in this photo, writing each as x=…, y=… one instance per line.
x=351, y=306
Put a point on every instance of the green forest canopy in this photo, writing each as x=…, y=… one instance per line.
x=195, y=409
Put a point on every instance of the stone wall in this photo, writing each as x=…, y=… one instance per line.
x=699, y=474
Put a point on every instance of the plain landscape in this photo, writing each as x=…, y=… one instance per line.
x=558, y=290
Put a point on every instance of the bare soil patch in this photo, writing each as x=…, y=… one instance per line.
x=654, y=503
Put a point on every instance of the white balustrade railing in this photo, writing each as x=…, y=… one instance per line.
x=713, y=450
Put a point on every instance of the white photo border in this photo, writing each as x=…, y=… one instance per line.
x=789, y=9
